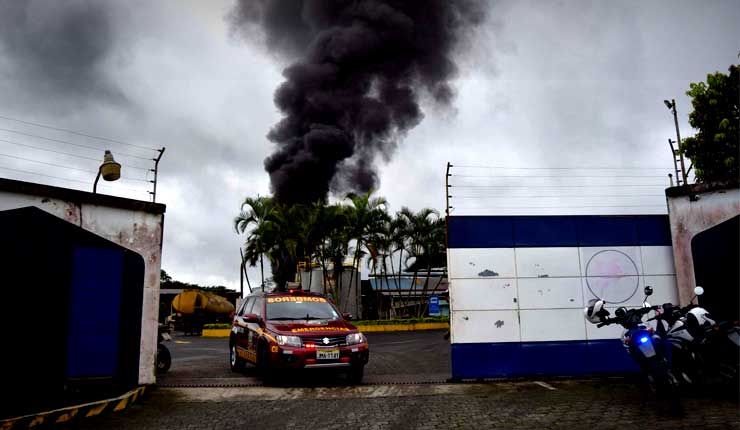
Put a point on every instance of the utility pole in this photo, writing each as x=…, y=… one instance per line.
x=447, y=189
x=155, y=170
x=672, y=106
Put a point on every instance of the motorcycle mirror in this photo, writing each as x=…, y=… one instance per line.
x=648, y=290
x=698, y=290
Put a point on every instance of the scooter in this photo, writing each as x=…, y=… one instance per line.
x=163, y=360
x=642, y=344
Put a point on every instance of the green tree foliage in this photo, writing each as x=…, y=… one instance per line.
x=714, y=149
x=325, y=236
x=166, y=282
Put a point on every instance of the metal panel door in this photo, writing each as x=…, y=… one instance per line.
x=94, y=313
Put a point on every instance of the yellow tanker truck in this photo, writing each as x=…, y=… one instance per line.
x=193, y=308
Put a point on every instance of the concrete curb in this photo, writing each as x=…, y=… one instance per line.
x=224, y=332
x=71, y=413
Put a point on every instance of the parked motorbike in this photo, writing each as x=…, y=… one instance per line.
x=163, y=359
x=645, y=346
x=701, y=348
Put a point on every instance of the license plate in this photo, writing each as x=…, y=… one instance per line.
x=327, y=354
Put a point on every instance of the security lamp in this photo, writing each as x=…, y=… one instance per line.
x=668, y=104
x=110, y=170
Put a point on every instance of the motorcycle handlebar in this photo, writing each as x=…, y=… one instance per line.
x=640, y=311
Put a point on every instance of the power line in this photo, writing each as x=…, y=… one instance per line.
x=78, y=133
x=67, y=179
x=71, y=143
x=557, y=176
x=558, y=196
x=505, y=187
x=66, y=153
x=557, y=207
x=556, y=168
x=63, y=167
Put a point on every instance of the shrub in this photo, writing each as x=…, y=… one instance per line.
x=216, y=326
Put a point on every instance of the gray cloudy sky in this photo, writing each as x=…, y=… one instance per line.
x=541, y=84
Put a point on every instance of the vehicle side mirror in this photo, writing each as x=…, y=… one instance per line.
x=698, y=290
x=252, y=318
x=648, y=290
x=347, y=316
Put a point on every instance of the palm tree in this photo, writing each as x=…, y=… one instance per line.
x=379, y=247
x=331, y=240
x=425, y=244
x=364, y=217
x=254, y=212
x=283, y=231
x=398, y=238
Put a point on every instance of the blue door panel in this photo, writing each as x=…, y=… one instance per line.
x=95, y=305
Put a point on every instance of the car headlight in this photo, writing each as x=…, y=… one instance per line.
x=355, y=338
x=289, y=340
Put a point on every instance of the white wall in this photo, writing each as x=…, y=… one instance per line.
x=138, y=231
x=538, y=294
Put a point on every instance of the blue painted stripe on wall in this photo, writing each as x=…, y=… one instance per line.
x=533, y=231
x=567, y=358
x=654, y=231
x=483, y=231
x=551, y=231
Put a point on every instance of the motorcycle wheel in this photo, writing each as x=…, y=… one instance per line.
x=164, y=359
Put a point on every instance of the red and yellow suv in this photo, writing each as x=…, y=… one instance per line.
x=295, y=330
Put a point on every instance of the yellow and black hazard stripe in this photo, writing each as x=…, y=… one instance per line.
x=71, y=413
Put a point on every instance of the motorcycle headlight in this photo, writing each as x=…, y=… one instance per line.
x=288, y=340
x=355, y=338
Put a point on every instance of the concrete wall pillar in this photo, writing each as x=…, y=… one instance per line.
x=692, y=210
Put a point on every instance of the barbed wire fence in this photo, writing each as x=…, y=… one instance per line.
x=49, y=155
x=510, y=190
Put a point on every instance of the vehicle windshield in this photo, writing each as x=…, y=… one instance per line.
x=300, y=308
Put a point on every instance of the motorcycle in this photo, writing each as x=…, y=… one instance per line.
x=702, y=349
x=163, y=360
x=646, y=347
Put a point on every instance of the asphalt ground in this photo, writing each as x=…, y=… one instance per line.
x=564, y=404
x=201, y=392
x=396, y=357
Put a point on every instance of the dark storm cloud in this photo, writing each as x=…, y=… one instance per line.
x=56, y=49
x=355, y=90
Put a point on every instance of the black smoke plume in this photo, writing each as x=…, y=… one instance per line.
x=56, y=48
x=355, y=90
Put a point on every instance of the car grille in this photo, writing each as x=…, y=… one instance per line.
x=319, y=340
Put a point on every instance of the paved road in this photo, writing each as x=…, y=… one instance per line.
x=506, y=405
x=422, y=356
x=321, y=402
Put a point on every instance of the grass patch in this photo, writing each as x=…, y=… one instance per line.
x=216, y=326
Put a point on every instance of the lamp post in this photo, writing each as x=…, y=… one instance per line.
x=671, y=105
x=110, y=170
